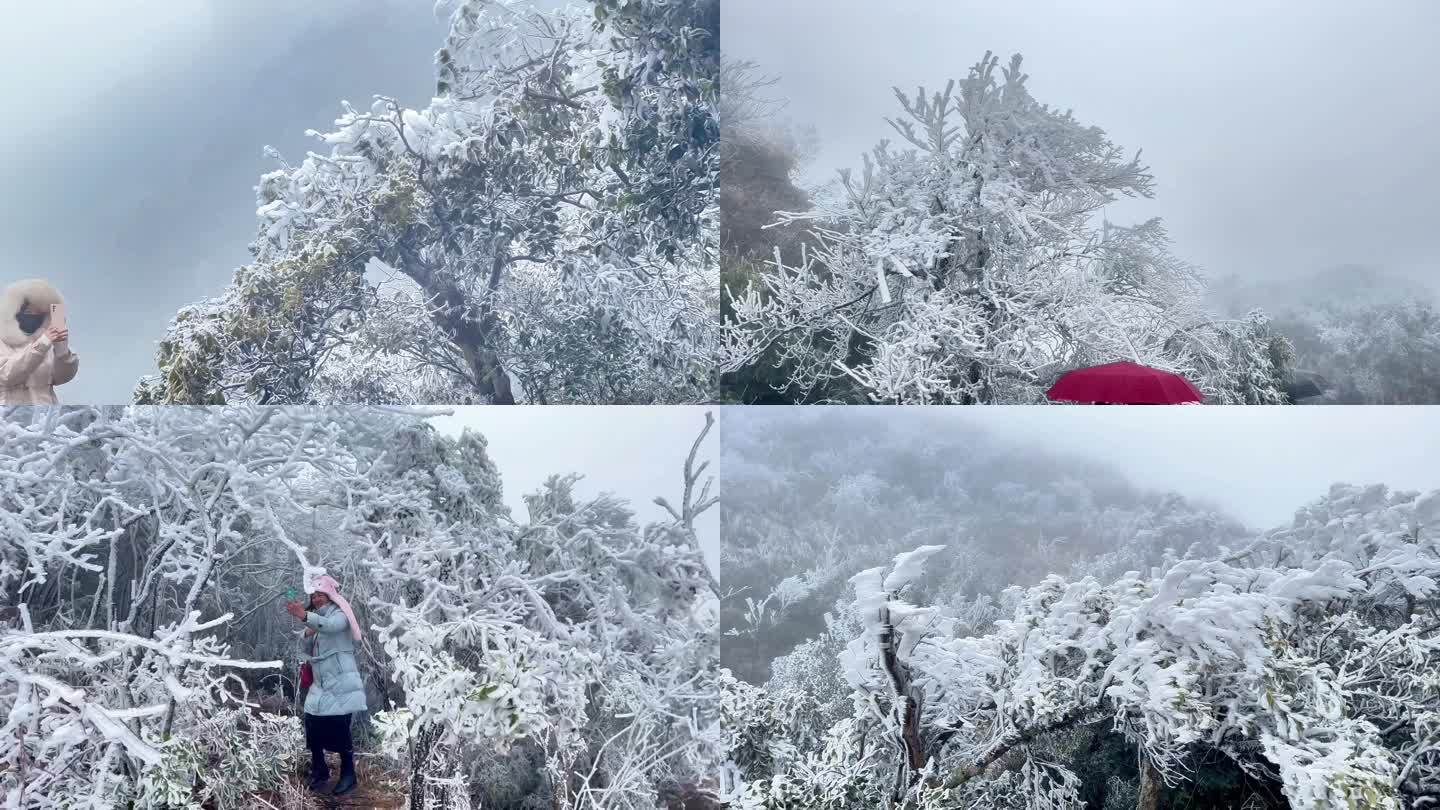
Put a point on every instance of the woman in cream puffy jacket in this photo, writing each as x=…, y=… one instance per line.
x=34, y=356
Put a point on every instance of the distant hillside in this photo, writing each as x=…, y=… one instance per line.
x=1350, y=286
x=1373, y=335
x=806, y=507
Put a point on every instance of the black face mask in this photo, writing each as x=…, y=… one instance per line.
x=29, y=323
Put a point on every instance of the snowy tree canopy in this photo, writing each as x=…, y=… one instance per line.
x=145, y=553
x=969, y=266
x=577, y=630
x=542, y=232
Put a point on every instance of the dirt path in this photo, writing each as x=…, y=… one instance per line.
x=378, y=790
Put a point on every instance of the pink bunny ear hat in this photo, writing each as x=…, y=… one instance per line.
x=327, y=585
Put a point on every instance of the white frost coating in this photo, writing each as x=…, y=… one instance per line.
x=1427, y=508
x=869, y=594
x=908, y=566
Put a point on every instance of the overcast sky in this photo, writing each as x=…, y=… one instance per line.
x=636, y=453
x=1285, y=137
x=1257, y=463
x=133, y=141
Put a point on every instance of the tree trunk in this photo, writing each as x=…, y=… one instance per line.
x=472, y=336
x=905, y=698
x=474, y=340
x=1150, y=785
x=493, y=380
x=961, y=775
x=907, y=706
x=419, y=761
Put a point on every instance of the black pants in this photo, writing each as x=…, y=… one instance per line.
x=328, y=732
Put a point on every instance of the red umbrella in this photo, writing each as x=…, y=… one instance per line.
x=1124, y=384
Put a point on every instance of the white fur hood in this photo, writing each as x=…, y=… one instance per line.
x=38, y=293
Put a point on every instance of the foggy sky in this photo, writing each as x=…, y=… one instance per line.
x=1257, y=463
x=1260, y=463
x=635, y=453
x=133, y=141
x=1285, y=137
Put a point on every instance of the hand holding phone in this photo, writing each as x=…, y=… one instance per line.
x=57, y=331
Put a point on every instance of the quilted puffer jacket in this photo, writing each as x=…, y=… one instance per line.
x=338, y=687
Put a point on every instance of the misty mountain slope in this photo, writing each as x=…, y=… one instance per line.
x=1296, y=672
x=1344, y=285
x=1375, y=336
x=806, y=507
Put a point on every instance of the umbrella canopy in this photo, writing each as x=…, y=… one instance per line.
x=1124, y=384
x=1306, y=384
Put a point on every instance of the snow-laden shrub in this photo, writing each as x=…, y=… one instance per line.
x=223, y=759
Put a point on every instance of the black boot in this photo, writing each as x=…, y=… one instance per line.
x=347, y=774
x=319, y=772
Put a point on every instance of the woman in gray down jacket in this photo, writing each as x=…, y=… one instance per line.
x=337, y=691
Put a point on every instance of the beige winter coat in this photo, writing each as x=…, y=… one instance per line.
x=30, y=365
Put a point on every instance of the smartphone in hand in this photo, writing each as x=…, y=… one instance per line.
x=57, y=316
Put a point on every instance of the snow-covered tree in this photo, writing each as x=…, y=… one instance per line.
x=969, y=267
x=576, y=631
x=542, y=231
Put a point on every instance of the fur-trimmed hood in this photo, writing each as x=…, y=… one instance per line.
x=35, y=291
